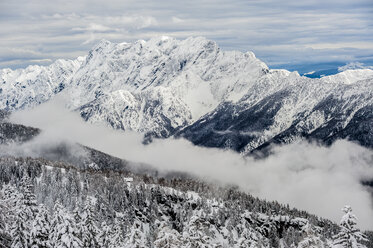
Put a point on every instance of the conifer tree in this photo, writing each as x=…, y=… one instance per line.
x=41, y=229
x=20, y=229
x=29, y=198
x=247, y=239
x=310, y=238
x=78, y=222
x=64, y=232
x=89, y=229
x=104, y=235
x=349, y=235
x=116, y=238
x=195, y=235
x=167, y=237
x=136, y=237
x=4, y=216
x=24, y=210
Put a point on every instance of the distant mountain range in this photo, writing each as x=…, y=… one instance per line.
x=334, y=69
x=323, y=69
x=191, y=88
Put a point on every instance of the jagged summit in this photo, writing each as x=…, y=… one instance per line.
x=192, y=88
x=161, y=84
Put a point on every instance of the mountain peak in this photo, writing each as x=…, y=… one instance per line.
x=102, y=45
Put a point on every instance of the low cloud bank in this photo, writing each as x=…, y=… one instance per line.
x=308, y=176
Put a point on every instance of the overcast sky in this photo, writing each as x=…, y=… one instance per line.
x=281, y=33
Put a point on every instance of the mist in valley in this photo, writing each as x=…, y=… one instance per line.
x=304, y=175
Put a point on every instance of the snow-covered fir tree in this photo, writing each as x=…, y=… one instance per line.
x=136, y=236
x=116, y=237
x=311, y=238
x=104, y=235
x=24, y=211
x=29, y=198
x=168, y=237
x=20, y=229
x=248, y=238
x=349, y=235
x=41, y=229
x=78, y=222
x=89, y=229
x=195, y=233
x=5, y=237
x=64, y=231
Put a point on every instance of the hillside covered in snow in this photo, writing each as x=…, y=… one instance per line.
x=45, y=203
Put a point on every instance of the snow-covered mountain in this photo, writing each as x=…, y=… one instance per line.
x=282, y=106
x=154, y=86
x=159, y=85
x=28, y=87
x=191, y=88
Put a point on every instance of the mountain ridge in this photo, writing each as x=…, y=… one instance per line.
x=191, y=88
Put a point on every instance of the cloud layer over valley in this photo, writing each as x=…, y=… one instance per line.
x=307, y=176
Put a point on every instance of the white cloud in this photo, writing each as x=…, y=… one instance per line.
x=177, y=20
x=40, y=60
x=134, y=21
x=94, y=27
x=327, y=27
x=311, y=177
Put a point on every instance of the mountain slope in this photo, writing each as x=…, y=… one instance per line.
x=280, y=109
x=198, y=214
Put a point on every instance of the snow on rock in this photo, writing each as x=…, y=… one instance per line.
x=33, y=85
